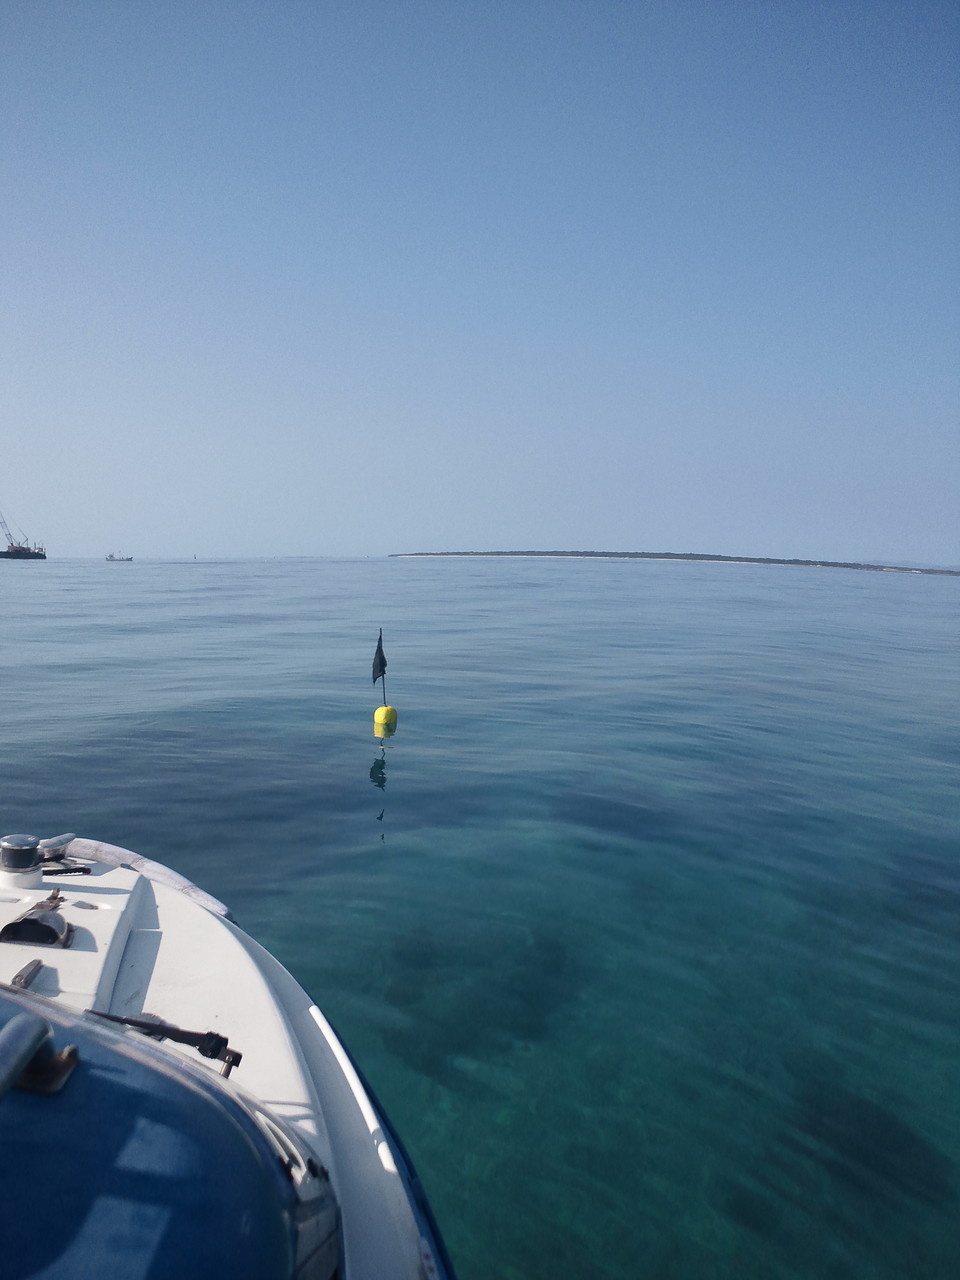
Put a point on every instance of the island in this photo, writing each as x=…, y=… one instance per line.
x=680, y=555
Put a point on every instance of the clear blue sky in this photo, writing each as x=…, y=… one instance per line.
x=297, y=277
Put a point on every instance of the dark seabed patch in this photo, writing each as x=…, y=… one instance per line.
x=640, y=820
x=751, y=1209
x=476, y=992
x=946, y=748
x=868, y=1147
x=924, y=886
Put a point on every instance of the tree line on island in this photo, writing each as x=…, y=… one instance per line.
x=686, y=555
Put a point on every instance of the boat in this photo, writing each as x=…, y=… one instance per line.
x=172, y=1102
x=19, y=550
x=120, y=559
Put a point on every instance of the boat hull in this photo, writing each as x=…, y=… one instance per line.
x=144, y=944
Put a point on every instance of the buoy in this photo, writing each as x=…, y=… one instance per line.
x=383, y=730
x=385, y=717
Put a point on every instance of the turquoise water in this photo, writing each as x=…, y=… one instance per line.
x=645, y=926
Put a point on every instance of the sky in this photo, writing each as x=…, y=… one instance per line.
x=299, y=277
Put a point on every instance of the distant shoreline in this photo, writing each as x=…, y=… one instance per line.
x=674, y=555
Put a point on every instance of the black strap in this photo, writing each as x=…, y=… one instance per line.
x=210, y=1044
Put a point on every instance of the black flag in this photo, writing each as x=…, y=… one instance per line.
x=379, y=661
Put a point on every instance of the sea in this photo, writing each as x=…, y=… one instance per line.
x=644, y=926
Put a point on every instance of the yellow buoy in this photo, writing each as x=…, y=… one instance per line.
x=385, y=721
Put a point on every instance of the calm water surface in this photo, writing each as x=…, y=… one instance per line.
x=645, y=926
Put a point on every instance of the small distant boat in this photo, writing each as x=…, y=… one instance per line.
x=120, y=559
x=173, y=1102
x=19, y=550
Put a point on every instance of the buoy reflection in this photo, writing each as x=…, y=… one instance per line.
x=378, y=773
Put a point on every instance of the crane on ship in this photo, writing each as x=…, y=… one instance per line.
x=19, y=550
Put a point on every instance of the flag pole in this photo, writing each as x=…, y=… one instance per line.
x=380, y=666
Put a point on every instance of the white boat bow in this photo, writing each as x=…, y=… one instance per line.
x=92, y=929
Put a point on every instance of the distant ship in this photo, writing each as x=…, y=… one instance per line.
x=120, y=559
x=19, y=550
